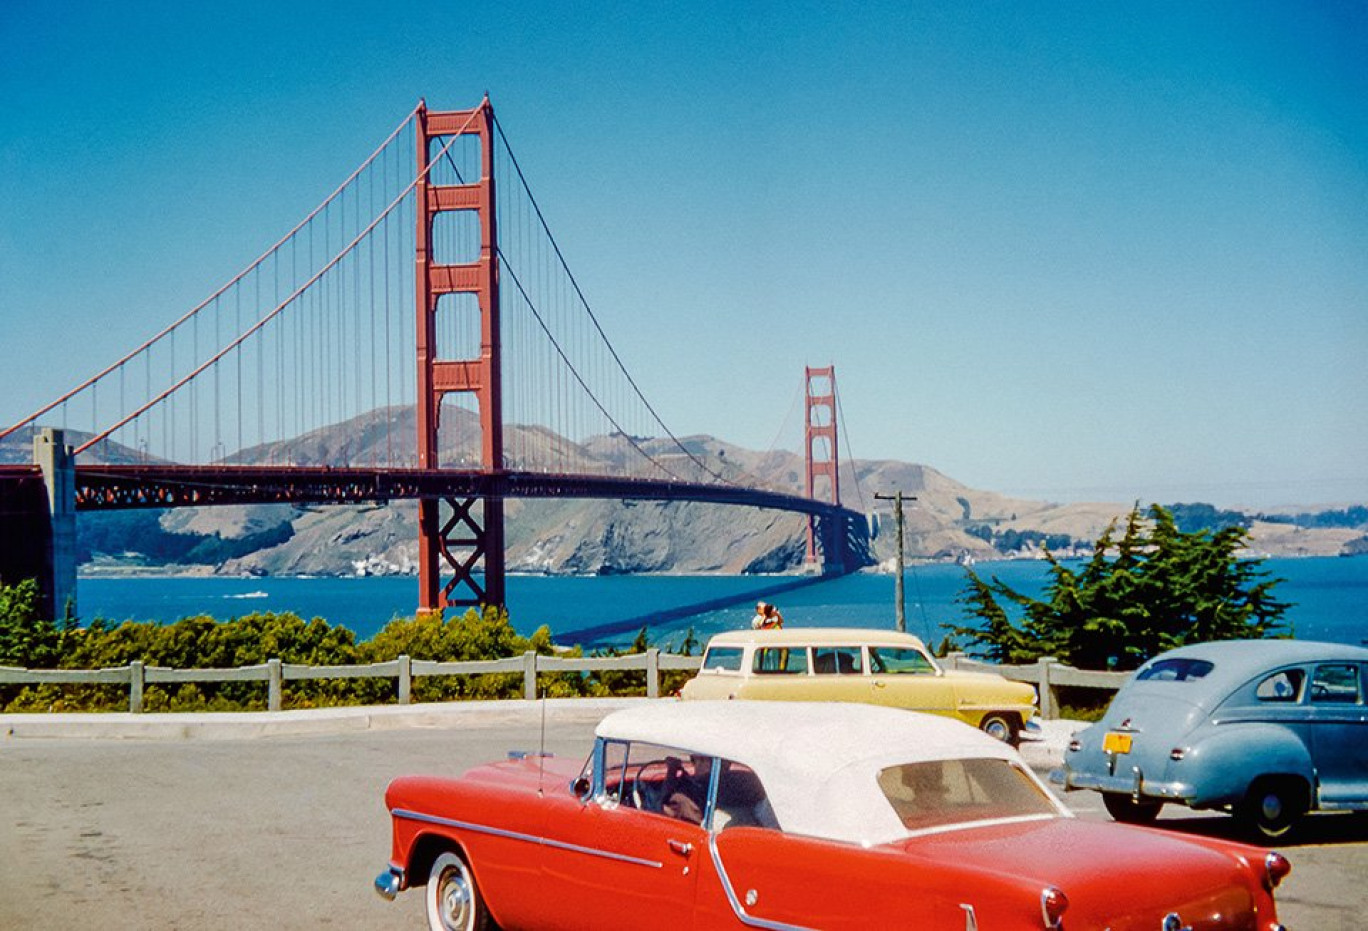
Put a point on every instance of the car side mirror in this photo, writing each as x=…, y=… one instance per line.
x=581, y=787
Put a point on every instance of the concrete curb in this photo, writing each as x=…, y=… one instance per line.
x=248, y=725
x=1044, y=751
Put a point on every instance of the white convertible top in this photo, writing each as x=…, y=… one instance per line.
x=818, y=761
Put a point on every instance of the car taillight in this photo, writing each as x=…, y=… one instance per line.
x=1053, y=904
x=1277, y=868
x=1177, y=753
x=1075, y=745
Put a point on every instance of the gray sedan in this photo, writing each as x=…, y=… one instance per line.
x=1267, y=729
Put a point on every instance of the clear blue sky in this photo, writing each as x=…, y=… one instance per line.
x=1071, y=251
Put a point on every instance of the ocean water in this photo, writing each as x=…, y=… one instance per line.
x=1330, y=598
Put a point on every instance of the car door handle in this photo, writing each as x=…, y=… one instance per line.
x=683, y=848
x=878, y=684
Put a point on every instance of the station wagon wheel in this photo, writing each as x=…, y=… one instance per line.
x=1001, y=726
x=453, y=900
x=1128, y=810
x=1273, y=807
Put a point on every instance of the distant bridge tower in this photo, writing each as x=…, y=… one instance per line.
x=475, y=530
x=820, y=452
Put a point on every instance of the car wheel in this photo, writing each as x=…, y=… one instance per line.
x=1273, y=807
x=453, y=900
x=1002, y=727
x=1128, y=810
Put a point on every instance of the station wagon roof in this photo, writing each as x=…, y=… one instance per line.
x=818, y=761
x=815, y=636
x=1237, y=661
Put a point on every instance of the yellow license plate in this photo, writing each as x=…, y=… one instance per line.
x=1117, y=743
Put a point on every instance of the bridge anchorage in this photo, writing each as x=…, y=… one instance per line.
x=300, y=364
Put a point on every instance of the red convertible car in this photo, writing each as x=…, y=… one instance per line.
x=820, y=816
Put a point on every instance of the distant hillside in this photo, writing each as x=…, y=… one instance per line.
x=947, y=521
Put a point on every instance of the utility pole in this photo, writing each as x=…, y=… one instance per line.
x=897, y=499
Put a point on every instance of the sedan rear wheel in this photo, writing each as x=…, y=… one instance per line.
x=453, y=900
x=1128, y=810
x=1273, y=807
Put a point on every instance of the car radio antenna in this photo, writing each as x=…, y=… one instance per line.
x=541, y=747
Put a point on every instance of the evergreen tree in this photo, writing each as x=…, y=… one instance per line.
x=1153, y=589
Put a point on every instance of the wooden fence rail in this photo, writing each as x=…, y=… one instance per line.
x=1046, y=674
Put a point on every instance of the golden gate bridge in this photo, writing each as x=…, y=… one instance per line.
x=419, y=335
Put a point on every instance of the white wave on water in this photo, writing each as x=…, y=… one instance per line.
x=249, y=595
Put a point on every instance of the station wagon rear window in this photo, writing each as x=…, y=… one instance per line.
x=728, y=658
x=780, y=660
x=1175, y=670
x=839, y=660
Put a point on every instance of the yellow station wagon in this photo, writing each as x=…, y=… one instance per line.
x=853, y=664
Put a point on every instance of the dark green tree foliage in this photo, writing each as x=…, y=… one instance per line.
x=1153, y=589
x=26, y=639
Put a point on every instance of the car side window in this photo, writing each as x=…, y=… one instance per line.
x=667, y=781
x=836, y=660
x=779, y=660
x=895, y=660
x=1336, y=683
x=727, y=658
x=741, y=799
x=1285, y=685
x=614, y=768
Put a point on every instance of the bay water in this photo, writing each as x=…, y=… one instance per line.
x=1329, y=595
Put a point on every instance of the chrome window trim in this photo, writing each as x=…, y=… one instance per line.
x=526, y=838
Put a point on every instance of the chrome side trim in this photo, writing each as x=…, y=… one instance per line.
x=737, y=909
x=526, y=838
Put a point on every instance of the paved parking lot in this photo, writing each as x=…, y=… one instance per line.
x=274, y=829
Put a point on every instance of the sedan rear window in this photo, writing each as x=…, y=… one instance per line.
x=1175, y=670
x=728, y=658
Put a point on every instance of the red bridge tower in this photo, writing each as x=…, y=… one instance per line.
x=820, y=447
x=475, y=530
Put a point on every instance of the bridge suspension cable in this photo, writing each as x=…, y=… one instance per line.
x=210, y=304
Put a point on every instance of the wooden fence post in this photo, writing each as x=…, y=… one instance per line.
x=952, y=660
x=530, y=675
x=405, y=678
x=136, y=679
x=273, y=688
x=1049, y=703
x=652, y=672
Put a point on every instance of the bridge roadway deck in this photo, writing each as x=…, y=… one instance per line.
x=276, y=821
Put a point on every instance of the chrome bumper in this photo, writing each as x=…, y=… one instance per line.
x=1133, y=784
x=389, y=883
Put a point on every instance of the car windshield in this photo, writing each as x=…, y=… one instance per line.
x=941, y=793
x=1175, y=670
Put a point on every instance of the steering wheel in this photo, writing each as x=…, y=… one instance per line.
x=649, y=794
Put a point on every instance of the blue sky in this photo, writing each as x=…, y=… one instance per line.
x=1070, y=251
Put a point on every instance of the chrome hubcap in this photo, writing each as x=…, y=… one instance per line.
x=454, y=904
x=1272, y=807
x=999, y=729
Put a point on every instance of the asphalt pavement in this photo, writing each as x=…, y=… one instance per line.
x=276, y=820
